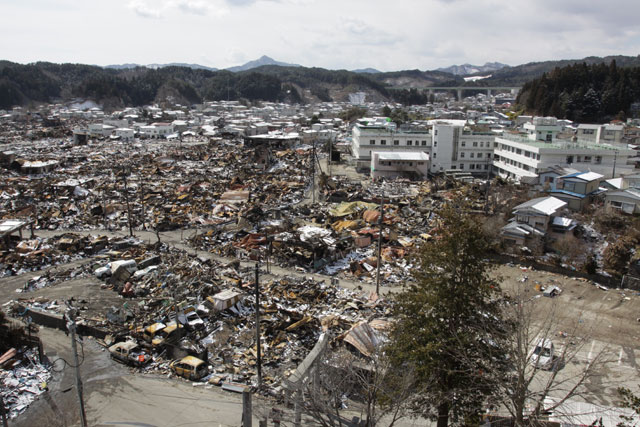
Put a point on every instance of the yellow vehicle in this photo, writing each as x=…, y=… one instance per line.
x=151, y=331
x=158, y=333
x=190, y=368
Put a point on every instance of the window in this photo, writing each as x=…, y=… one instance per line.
x=518, y=151
x=383, y=142
x=598, y=160
x=436, y=131
x=435, y=143
x=424, y=142
x=463, y=144
x=396, y=142
x=488, y=155
x=481, y=144
x=453, y=166
x=471, y=155
x=434, y=155
x=461, y=165
x=475, y=143
x=588, y=131
x=486, y=167
x=420, y=163
x=372, y=141
x=569, y=159
x=587, y=159
x=462, y=155
x=472, y=166
x=409, y=142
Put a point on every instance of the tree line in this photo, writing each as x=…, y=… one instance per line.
x=594, y=93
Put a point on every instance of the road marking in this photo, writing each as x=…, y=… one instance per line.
x=620, y=357
x=590, y=356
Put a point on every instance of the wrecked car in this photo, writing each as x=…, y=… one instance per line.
x=129, y=353
x=190, y=367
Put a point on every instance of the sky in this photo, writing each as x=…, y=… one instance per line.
x=334, y=34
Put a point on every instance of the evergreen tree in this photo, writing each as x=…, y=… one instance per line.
x=448, y=323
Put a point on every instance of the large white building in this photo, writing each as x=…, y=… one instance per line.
x=453, y=145
x=519, y=158
x=459, y=147
x=380, y=135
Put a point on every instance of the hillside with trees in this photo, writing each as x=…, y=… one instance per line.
x=585, y=93
x=115, y=88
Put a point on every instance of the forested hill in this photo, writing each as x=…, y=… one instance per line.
x=115, y=88
x=585, y=93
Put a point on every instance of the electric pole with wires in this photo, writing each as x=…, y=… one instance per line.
x=70, y=316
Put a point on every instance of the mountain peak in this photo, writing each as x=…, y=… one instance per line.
x=467, y=69
x=263, y=60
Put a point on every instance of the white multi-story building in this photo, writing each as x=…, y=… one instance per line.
x=380, y=135
x=519, y=158
x=459, y=147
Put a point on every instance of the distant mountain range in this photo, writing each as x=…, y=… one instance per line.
x=263, y=60
x=156, y=66
x=468, y=69
x=266, y=79
x=367, y=71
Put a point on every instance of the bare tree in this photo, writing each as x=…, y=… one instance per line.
x=342, y=386
x=543, y=342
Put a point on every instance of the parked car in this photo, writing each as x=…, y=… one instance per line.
x=542, y=356
x=190, y=368
x=130, y=353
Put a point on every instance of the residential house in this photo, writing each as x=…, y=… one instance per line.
x=627, y=201
x=577, y=189
x=531, y=220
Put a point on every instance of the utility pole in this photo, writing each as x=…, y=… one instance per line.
x=379, y=245
x=126, y=198
x=144, y=227
x=313, y=173
x=330, y=155
x=615, y=158
x=71, y=326
x=258, y=344
x=486, y=195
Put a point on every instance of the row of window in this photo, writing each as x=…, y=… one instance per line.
x=397, y=142
x=473, y=166
x=584, y=159
x=528, y=154
x=471, y=155
x=476, y=144
x=400, y=163
x=516, y=164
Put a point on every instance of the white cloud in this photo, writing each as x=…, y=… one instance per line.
x=405, y=34
x=143, y=10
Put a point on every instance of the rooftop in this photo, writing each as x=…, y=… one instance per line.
x=564, y=144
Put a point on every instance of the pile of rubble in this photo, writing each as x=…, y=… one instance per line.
x=23, y=379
